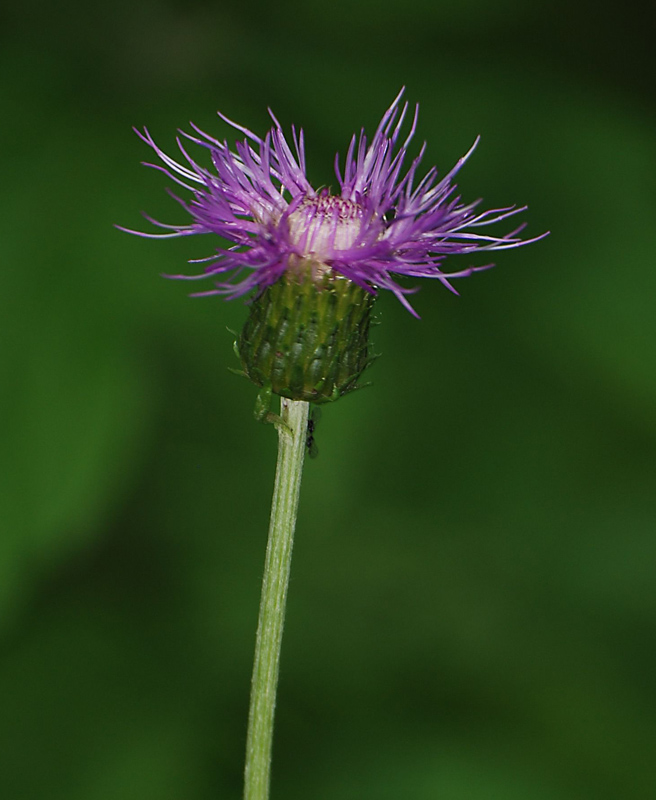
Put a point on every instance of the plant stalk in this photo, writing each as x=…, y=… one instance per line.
x=292, y=432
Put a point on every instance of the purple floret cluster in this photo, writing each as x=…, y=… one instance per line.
x=383, y=222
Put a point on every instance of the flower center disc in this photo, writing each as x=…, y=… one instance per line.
x=325, y=226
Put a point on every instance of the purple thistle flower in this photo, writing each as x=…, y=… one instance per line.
x=384, y=221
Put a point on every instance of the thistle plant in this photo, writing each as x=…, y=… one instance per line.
x=313, y=263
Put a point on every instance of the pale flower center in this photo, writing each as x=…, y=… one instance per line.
x=323, y=226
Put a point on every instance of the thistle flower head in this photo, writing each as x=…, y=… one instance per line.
x=385, y=221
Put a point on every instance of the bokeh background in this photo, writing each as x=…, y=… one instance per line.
x=473, y=606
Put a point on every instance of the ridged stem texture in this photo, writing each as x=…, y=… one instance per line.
x=292, y=433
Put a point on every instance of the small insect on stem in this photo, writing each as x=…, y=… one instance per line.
x=313, y=419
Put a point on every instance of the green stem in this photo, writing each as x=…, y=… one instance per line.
x=291, y=451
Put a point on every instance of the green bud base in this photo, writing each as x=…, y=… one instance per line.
x=308, y=339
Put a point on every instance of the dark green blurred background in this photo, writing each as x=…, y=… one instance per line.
x=472, y=611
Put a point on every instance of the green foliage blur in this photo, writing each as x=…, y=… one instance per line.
x=472, y=612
